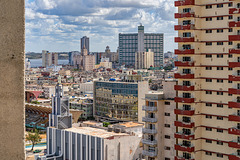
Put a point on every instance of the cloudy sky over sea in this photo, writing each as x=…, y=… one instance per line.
x=58, y=25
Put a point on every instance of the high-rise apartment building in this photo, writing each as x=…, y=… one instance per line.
x=208, y=115
x=158, y=140
x=49, y=58
x=85, y=42
x=131, y=43
x=144, y=60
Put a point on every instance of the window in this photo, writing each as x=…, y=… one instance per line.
x=208, y=92
x=219, y=80
x=208, y=153
x=186, y=71
x=220, y=105
x=208, y=6
x=186, y=10
x=209, y=104
x=167, y=158
x=219, y=30
x=219, y=18
x=219, y=118
x=219, y=5
x=229, y=4
x=220, y=130
x=230, y=43
x=219, y=155
x=219, y=55
x=229, y=81
x=208, y=43
x=208, y=56
x=229, y=95
x=186, y=46
x=219, y=142
x=186, y=107
x=167, y=114
x=167, y=137
x=219, y=43
x=208, y=68
x=219, y=68
x=208, y=129
x=208, y=141
x=219, y=93
x=186, y=59
x=230, y=30
x=230, y=17
x=167, y=103
x=187, y=34
x=186, y=22
x=167, y=125
x=209, y=19
x=209, y=31
x=186, y=83
x=167, y=148
x=208, y=80
x=208, y=116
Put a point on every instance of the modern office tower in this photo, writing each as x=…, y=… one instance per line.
x=208, y=115
x=131, y=43
x=118, y=100
x=49, y=59
x=144, y=60
x=85, y=42
x=158, y=139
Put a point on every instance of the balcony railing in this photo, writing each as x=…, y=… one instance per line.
x=234, y=91
x=183, y=88
x=184, y=2
x=149, y=142
x=147, y=119
x=234, y=37
x=184, y=64
x=149, y=153
x=184, y=112
x=234, y=104
x=183, y=15
x=184, y=148
x=184, y=27
x=184, y=39
x=184, y=136
x=184, y=124
x=149, y=131
x=184, y=76
x=184, y=51
x=234, y=10
x=234, y=131
x=233, y=78
x=184, y=100
x=234, y=24
x=234, y=64
x=149, y=108
x=234, y=50
x=234, y=118
x=234, y=144
x=182, y=158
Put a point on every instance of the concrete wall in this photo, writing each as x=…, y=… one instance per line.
x=12, y=80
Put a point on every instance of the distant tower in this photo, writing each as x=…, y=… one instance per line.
x=85, y=42
x=60, y=117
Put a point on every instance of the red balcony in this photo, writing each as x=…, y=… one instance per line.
x=234, y=11
x=234, y=24
x=234, y=37
x=184, y=39
x=234, y=64
x=183, y=88
x=234, y=144
x=184, y=76
x=234, y=51
x=182, y=158
x=183, y=124
x=233, y=78
x=184, y=2
x=233, y=104
x=234, y=131
x=184, y=112
x=233, y=157
x=233, y=91
x=184, y=15
x=184, y=136
x=184, y=148
x=185, y=51
x=234, y=118
x=184, y=100
x=183, y=64
x=184, y=27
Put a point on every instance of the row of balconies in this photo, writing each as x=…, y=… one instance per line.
x=184, y=148
x=184, y=2
x=192, y=51
x=149, y=108
x=184, y=124
x=148, y=119
x=149, y=142
x=184, y=100
x=149, y=131
x=149, y=153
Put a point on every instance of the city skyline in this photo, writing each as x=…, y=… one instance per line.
x=59, y=25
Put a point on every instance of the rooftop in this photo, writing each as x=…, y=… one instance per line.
x=130, y=124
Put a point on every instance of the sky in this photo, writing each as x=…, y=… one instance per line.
x=58, y=25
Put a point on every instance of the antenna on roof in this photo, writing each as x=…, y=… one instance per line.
x=140, y=24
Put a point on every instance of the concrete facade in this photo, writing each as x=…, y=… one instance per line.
x=144, y=60
x=12, y=80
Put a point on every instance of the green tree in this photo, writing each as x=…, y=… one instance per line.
x=105, y=124
x=34, y=137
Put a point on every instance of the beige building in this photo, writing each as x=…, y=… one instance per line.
x=49, y=58
x=158, y=139
x=208, y=115
x=144, y=59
